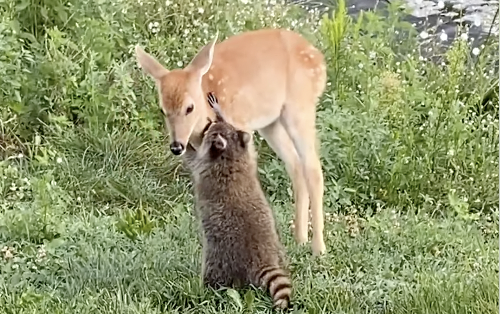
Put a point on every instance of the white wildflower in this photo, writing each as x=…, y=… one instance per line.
x=41, y=252
x=7, y=253
x=475, y=51
x=424, y=35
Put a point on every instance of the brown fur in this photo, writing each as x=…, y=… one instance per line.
x=267, y=80
x=240, y=243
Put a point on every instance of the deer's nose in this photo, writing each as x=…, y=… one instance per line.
x=176, y=148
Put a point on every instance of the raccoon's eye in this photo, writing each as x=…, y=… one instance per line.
x=189, y=109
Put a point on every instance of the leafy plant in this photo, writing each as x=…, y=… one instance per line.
x=134, y=223
x=334, y=30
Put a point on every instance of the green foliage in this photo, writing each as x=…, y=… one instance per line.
x=391, y=263
x=36, y=221
x=134, y=223
x=400, y=130
x=334, y=31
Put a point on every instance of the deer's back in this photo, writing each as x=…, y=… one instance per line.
x=252, y=72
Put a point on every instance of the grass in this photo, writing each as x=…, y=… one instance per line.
x=391, y=263
x=96, y=214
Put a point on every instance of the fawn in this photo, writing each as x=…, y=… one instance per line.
x=267, y=80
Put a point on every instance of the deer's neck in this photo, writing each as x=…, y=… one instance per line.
x=216, y=80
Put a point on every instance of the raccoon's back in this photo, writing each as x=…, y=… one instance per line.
x=241, y=240
x=242, y=226
x=242, y=222
x=246, y=249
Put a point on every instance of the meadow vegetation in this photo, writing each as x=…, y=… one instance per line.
x=96, y=214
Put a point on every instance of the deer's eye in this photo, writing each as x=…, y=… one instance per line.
x=189, y=109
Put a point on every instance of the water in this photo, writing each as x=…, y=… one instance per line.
x=442, y=17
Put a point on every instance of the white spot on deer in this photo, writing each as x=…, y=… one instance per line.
x=311, y=56
x=223, y=98
x=222, y=80
x=210, y=76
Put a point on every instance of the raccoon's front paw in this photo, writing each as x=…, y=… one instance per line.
x=211, y=281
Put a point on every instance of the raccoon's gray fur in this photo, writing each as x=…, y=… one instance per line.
x=240, y=243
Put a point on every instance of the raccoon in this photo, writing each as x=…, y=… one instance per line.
x=240, y=243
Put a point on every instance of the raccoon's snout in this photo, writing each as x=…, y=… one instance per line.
x=219, y=142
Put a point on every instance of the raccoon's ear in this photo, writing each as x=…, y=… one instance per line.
x=244, y=138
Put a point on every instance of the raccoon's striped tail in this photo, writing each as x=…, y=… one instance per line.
x=278, y=282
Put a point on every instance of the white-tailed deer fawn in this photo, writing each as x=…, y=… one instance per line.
x=268, y=81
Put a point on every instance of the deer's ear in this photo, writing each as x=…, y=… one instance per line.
x=203, y=60
x=149, y=64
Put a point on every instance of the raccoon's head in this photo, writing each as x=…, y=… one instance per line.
x=221, y=139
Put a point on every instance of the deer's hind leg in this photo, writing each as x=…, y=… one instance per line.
x=278, y=139
x=299, y=121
